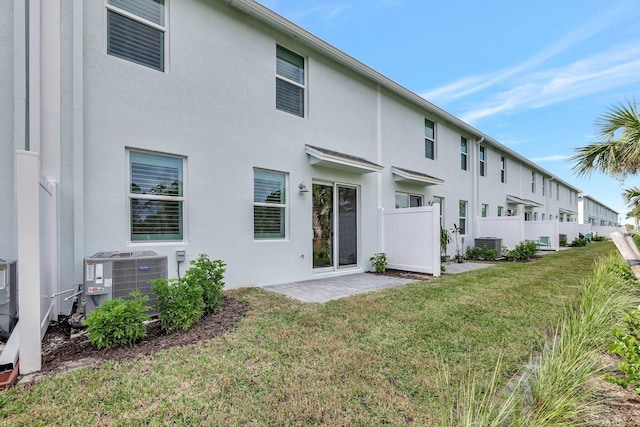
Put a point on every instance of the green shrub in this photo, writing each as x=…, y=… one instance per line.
x=118, y=322
x=379, y=262
x=490, y=255
x=598, y=238
x=563, y=242
x=180, y=303
x=579, y=241
x=523, y=251
x=473, y=253
x=208, y=274
x=627, y=346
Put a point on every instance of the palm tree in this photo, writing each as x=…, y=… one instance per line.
x=618, y=154
x=632, y=197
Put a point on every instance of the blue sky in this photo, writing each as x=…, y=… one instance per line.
x=534, y=75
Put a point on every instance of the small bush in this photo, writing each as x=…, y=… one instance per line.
x=379, y=262
x=579, y=242
x=180, y=303
x=118, y=322
x=563, y=242
x=627, y=346
x=483, y=253
x=523, y=251
x=208, y=274
x=598, y=239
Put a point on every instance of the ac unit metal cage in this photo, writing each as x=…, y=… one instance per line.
x=109, y=275
x=489, y=243
x=8, y=296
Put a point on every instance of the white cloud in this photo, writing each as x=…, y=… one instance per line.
x=552, y=158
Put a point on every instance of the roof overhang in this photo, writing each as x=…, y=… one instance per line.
x=413, y=177
x=525, y=202
x=345, y=162
x=567, y=211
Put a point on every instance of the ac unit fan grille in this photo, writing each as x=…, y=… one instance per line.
x=132, y=274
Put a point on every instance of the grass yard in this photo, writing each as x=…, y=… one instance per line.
x=366, y=360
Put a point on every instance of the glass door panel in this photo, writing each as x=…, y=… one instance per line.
x=347, y=226
x=322, y=221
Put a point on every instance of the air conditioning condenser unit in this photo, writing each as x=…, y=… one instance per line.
x=109, y=275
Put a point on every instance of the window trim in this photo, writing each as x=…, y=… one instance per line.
x=428, y=140
x=130, y=196
x=464, y=153
x=484, y=210
x=409, y=196
x=533, y=182
x=461, y=218
x=285, y=79
x=163, y=28
x=503, y=169
x=482, y=157
x=285, y=206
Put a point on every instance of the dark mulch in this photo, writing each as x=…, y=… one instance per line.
x=60, y=351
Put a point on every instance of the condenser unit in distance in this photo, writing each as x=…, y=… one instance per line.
x=109, y=275
x=489, y=243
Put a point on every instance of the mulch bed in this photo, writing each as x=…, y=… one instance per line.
x=61, y=352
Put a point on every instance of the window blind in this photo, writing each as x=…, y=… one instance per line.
x=134, y=41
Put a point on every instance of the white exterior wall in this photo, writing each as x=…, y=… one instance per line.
x=8, y=251
x=593, y=212
x=218, y=110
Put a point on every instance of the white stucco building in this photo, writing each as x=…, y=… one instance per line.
x=196, y=126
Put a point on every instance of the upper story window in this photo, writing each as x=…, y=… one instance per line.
x=463, y=153
x=269, y=204
x=544, y=184
x=406, y=200
x=500, y=209
x=156, y=197
x=290, y=82
x=483, y=161
x=484, y=210
x=503, y=169
x=533, y=182
x=557, y=191
x=429, y=139
x=136, y=31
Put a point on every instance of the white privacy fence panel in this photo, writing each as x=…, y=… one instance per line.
x=411, y=239
x=534, y=230
x=508, y=228
x=571, y=229
x=602, y=230
x=37, y=257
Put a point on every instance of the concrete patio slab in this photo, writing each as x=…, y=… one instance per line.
x=328, y=289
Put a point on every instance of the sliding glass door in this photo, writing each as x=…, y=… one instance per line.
x=335, y=226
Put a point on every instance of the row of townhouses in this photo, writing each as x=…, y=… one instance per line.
x=219, y=127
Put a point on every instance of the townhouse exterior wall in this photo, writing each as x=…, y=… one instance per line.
x=214, y=107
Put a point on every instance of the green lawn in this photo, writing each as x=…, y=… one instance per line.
x=366, y=360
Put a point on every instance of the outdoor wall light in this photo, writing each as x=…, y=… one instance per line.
x=303, y=187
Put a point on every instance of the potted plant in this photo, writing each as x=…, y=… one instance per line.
x=445, y=239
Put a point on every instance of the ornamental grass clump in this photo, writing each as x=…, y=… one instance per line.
x=118, y=322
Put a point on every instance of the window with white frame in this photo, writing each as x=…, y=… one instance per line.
x=136, y=31
x=156, y=196
x=535, y=216
x=557, y=191
x=462, y=221
x=429, y=139
x=483, y=161
x=406, y=200
x=290, y=81
x=544, y=185
x=533, y=182
x=543, y=217
x=503, y=169
x=269, y=204
x=464, y=147
x=500, y=209
x=484, y=210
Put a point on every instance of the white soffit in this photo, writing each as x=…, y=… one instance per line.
x=413, y=177
x=526, y=202
x=335, y=160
